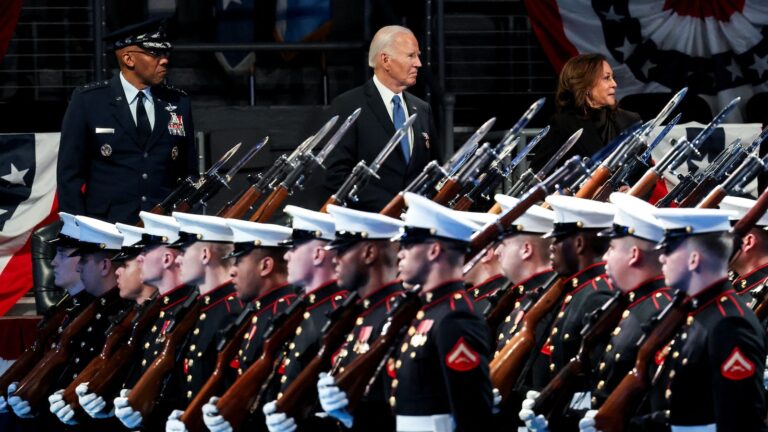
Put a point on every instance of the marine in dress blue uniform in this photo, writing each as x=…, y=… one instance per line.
x=126, y=156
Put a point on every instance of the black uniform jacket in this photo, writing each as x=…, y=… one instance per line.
x=485, y=289
x=100, y=149
x=367, y=137
x=713, y=370
x=443, y=365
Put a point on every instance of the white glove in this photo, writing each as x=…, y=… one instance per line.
x=20, y=407
x=124, y=412
x=213, y=419
x=496, y=400
x=174, y=424
x=61, y=409
x=333, y=400
x=587, y=423
x=278, y=422
x=92, y=403
x=533, y=422
x=3, y=401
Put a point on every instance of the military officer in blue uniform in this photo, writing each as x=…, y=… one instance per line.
x=125, y=142
x=442, y=368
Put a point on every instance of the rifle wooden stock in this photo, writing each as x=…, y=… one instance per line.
x=395, y=207
x=143, y=395
x=360, y=372
x=270, y=204
x=193, y=414
x=36, y=386
x=554, y=398
x=106, y=381
x=604, y=192
x=102, y=360
x=329, y=201
x=503, y=306
x=234, y=404
x=496, y=209
x=450, y=189
x=464, y=203
x=507, y=366
x=31, y=356
x=749, y=220
x=299, y=397
x=713, y=199
x=240, y=207
x=761, y=310
x=645, y=185
x=624, y=400
x=699, y=192
x=597, y=179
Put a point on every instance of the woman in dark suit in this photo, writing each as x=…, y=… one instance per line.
x=586, y=98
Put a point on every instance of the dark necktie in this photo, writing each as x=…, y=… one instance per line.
x=143, y=126
x=398, y=118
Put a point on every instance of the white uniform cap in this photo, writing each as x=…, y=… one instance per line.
x=740, y=207
x=354, y=225
x=102, y=235
x=575, y=214
x=685, y=222
x=131, y=233
x=193, y=227
x=308, y=224
x=535, y=220
x=69, y=228
x=250, y=235
x=634, y=217
x=159, y=229
x=425, y=218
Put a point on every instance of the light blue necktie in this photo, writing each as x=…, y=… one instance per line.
x=398, y=117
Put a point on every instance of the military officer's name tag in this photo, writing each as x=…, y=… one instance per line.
x=105, y=130
x=176, y=125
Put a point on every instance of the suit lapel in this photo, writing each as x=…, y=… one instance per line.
x=377, y=107
x=162, y=117
x=418, y=148
x=120, y=110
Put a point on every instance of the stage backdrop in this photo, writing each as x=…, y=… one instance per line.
x=27, y=201
x=717, y=48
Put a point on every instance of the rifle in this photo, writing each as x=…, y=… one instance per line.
x=621, y=176
x=624, y=400
x=46, y=330
x=234, y=405
x=188, y=185
x=143, y=395
x=736, y=182
x=501, y=304
x=264, y=182
x=213, y=184
x=294, y=180
x=362, y=173
x=554, y=398
x=36, y=386
x=227, y=349
x=483, y=239
x=298, y=398
x=685, y=180
x=106, y=381
x=357, y=377
x=528, y=178
x=714, y=174
x=742, y=227
x=496, y=172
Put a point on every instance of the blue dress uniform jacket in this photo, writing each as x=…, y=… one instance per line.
x=373, y=413
x=219, y=308
x=266, y=308
x=442, y=366
x=588, y=290
x=646, y=301
x=752, y=282
x=713, y=371
x=368, y=136
x=100, y=149
x=481, y=292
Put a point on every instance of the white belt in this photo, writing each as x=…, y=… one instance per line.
x=435, y=423
x=699, y=428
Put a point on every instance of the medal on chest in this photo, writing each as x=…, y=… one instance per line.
x=176, y=125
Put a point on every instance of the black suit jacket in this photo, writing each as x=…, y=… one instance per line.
x=100, y=149
x=367, y=137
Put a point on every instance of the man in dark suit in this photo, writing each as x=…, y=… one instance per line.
x=394, y=57
x=125, y=142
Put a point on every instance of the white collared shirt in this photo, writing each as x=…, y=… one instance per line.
x=386, y=96
x=132, y=94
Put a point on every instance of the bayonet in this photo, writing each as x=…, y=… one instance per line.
x=248, y=156
x=331, y=144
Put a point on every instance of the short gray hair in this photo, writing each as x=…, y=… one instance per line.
x=383, y=39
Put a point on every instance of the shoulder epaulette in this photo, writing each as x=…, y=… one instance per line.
x=92, y=86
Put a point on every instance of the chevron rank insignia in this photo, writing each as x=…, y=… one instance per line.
x=462, y=357
x=737, y=366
